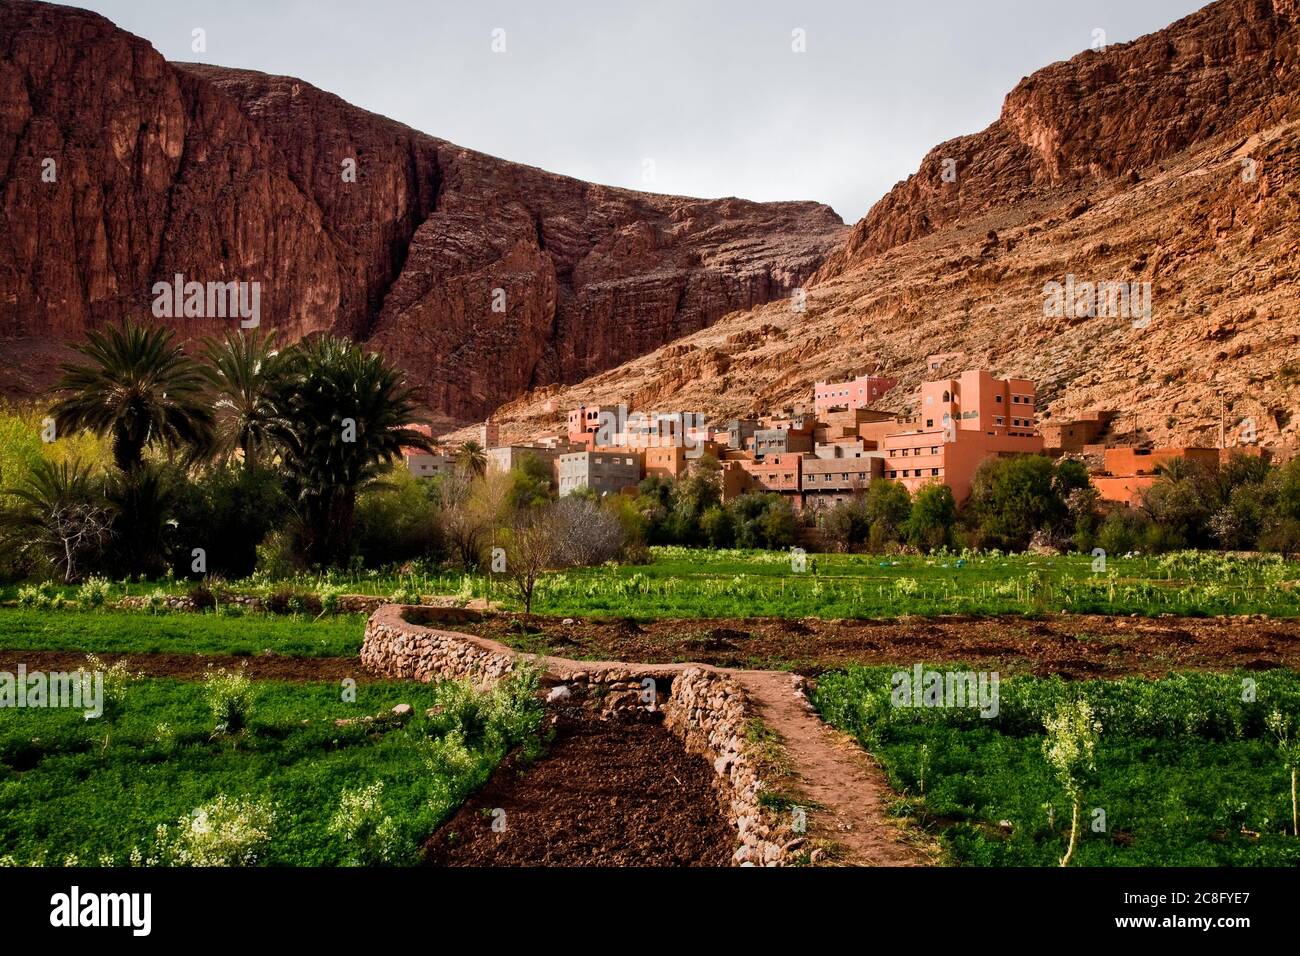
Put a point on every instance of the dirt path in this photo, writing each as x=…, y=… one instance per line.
x=848, y=788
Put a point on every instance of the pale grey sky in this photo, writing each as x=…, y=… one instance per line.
x=712, y=92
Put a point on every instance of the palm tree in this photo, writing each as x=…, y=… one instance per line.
x=471, y=458
x=244, y=371
x=138, y=387
x=346, y=415
x=60, y=514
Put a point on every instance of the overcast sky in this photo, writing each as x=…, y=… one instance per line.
x=711, y=92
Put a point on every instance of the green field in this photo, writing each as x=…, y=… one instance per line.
x=705, y=583
x=94, y=792
x=1186, y=772
x=139, y=632
x=702, y=583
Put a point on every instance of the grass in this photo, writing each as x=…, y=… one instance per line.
x=1187, y=774
x=93, y=793
x=138, y=632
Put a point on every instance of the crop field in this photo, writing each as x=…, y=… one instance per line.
x=157, y=780
x=704, y=583
x=710, y=583
x=1187, y=773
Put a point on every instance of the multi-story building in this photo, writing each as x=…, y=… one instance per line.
x=739, y=430
x=667, y=462
x=781, y=441
x=861, y=392
x=423, y=464
x=779, y=473
x=1128, y=472
x=585, y=421
x=963, y=422
x=603, y=470
x=826, y=481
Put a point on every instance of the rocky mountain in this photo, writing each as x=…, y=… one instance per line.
x=483, y=278
x=1170, y=164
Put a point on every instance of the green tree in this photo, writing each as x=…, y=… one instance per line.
x=934, y=512
x=888, y=506
x=244, y=371
x=347, y=417
x=138, y=387
x=1180, y=503
x=472, y=459
x=1011, y=498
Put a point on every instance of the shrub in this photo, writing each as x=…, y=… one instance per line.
x=94, y=592
x=230, y=698
x=1071, y=750
x=223, y=832
x=370, y=835
x=118, y=678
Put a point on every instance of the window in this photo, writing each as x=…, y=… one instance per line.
x=934, y=450
x=893, y=474
x=934, y=471
x=998, y=399
x=862, y=476
x=929, y=423
x=946, y=396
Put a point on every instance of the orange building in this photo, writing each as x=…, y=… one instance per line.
x=666, y=462
x=1128, y=472
x=964, y=421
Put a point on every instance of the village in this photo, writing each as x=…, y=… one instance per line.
x=831, y=450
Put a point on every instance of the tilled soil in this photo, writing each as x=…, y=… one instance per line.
x=1075, y=646
x=196, y=666
x=620, y=792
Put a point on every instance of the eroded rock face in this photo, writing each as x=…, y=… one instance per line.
x=481, y=277
x=1171, y=162
x=1232, y=65
x=153, y=172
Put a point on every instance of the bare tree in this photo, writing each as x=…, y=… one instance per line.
x=586, y=533
x=531, y=547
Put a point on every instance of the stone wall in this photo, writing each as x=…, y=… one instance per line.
x=704, y=707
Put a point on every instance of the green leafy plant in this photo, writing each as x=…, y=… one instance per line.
x=1071, y=750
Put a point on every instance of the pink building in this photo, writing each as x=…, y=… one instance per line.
x=963, y=421
x=862, y=392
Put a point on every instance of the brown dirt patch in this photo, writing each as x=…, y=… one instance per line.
x=195, y=666
x=606, y=793
x=1076, y=646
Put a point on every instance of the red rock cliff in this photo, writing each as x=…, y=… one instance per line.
x=227, y=174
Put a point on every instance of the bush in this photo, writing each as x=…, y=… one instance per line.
x=224, y=832
x=371, y=836
x=398, y=520
x=230, y=698
x=94, y=592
